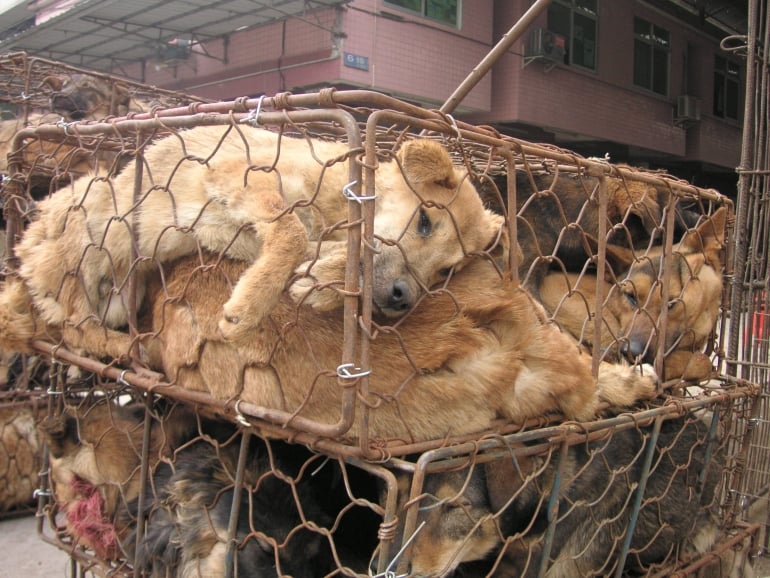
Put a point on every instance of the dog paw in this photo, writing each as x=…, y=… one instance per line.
x=305, y=291
x=647, y=381
x=238, y=323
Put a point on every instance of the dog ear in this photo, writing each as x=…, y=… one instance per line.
x=52, y=81
x=708, y=239
x=636, y=200
x=505, y=478
x=61, y=433
x=426, y=161
x=618, y=258
x=498, y=234
x=121, y=100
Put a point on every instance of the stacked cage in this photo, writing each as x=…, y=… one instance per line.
x=36, y=91
x=338, y=334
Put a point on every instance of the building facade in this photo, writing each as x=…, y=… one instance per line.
x=644, y=81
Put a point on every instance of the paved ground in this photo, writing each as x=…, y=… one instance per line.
x=26, y=555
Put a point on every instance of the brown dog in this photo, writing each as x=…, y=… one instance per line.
x=556, y=211
x=256, y=196
x=475, y=351
x=96, y=456
x=632, y=308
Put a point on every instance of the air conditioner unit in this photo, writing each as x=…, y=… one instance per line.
x=546, y=44
x=687, y=109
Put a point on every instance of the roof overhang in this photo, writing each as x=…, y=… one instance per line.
x=103, y=34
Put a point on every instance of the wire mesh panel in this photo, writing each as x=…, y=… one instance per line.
x=365, y=280
x=641, y=496
x=748, y=353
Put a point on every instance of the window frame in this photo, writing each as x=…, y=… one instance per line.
x=727, y=79
x=653, y=44
x=574, y=9
x=423, y=12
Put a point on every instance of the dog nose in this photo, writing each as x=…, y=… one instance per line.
x=637, y=350
x=400, y=296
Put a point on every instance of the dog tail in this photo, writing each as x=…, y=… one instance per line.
x=18, y=327
x=623, y=386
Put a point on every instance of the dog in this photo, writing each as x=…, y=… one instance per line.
x=95, y=465
x=479, y=347
x=493, y=518
x=187, y=527
x=253, y=195
x=633, y=304
x=555, y=211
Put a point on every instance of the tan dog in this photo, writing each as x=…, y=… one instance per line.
x=478, y=351
x=96, y=457
x=632, y=308
x=257, y=197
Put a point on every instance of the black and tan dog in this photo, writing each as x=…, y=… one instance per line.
x=277, y=531
x=493, y=519
x=634, y=302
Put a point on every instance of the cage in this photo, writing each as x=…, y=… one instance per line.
x=364, y=405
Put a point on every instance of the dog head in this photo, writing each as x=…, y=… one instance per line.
x=692, y=301
x=454, y=521
x=429, y=220
x=95, y=465
x=88, y=97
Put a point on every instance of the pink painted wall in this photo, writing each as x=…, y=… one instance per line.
x=424, y=61
x=605, y=105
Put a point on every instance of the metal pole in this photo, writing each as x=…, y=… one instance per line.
x=486, y=63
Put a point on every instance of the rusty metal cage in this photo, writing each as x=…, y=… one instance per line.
x=331, y=443
x=363, y=390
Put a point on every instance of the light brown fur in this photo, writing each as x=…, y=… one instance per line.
x=249, y=200
x=480, y=350
x=102, y=445
x=632, y=308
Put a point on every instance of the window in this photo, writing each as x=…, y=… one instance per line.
x=727, y=75
x=576, y=20
x=444, y=11
x=652, y=47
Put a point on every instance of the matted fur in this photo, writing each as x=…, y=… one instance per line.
x=244, y=192
x=633, y=307
x=479, y=350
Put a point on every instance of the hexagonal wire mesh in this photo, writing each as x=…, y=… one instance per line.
x=439, y=356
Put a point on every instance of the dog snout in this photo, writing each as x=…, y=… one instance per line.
x=638, y=350
x=400, y=296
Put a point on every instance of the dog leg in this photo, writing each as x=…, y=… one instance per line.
x=623, y=386
x=283, y=237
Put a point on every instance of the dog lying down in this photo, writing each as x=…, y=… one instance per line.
x=255, y=196
x=493, y=519
x=634, y=303
x=96, y=459
x=468, y=354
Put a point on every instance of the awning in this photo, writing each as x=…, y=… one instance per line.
x=103, y=34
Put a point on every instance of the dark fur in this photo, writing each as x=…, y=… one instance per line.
x=187, y=529
x=594, y=509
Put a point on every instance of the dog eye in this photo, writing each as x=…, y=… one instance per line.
x=444, y=273
x=424, y=226
x=631, y=296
